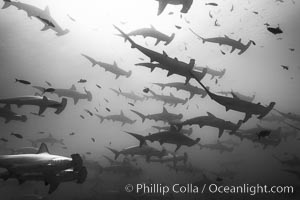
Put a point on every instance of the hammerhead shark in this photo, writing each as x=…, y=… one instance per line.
x=186, y=87
x=237, y=104
x=71, y=93
x=173, y=64
x=42, y=162
x=144, y=150
x=171, y=157
x=219, y=146
x=119, y=118
x=152, y=32
x=42, y=102
x=170, y=100
x=125, y=168
x=43, y=15
x=183, y=131
x=130, y=95
x=186, y=5
x=164, y=116
x=239, y=95
x=212, y=72
x=226, y=41
x=49, y=139
x=170, y=137
x=273, y=118
x=213, y=121
x=291, y=116
x=9, y=115
x=113, y=68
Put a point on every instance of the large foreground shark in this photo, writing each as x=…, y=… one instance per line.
x=42, y=102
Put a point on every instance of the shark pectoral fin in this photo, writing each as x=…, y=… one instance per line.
x=46, y=27
x=247, y=117
x=232, y=50
x=169, y=73
x=53, y=187
x=75, y=100
x=161, y=7
x=117, y=76
x=42, y=109
x=221, y=131
x=157, y=41
x=7, y=120
x=178, y=146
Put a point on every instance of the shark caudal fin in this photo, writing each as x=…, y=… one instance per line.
x=117, y=153
x=61, y=106
x=198, y=36
x=246, y=47
x=267, y=110
x=140, y=115
x=133, y=44
x=100, y=117
x=7, y=3
x=170, y=39
x=88, y=94
x=148, y=65
x=76, y=162
x=92, y=60
x=138, y=137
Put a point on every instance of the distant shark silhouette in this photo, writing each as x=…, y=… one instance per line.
x=239, y=95
x=186, y=5
x=173, y=64
x=171, y=157
x=42, y=15
x=219, y=146
x=170, y=100
x=9, y=115
x=164, y=116
x=50, y=139
x=113, y=68
x=226, y=41
x=129, y=95
x=183, y=131
x=119, y=118
x=42, y=102
x=212, y=72
x=234, y=103
x=71, y=93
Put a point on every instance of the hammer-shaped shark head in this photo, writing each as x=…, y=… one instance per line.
x=88, y=94
x=76, y=162
x=128, y=74
x=82, y=175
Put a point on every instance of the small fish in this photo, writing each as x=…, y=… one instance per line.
x=48, y=83
x=216, y=23
x=17, y=135
x=275, y=31
x=187, y=107
x=231, y=8
x=291, y=49
x=211, y=4
x=72, y=133
x=106, y=100
x=82, y=117
x=41, y=132
x=98, y=86
x=64, y=147
x=255, y=12
x=223, y=52
x=210, y=15
x=71, y=18
x=88, y=153
x=263, y=133
x=267, y=24
x=50, y=90
x=146, y=90
x=216, y=81
x=82, y=81
x=141, y=59
x=110, y=143
x=178, y=27
x=187, y=21
x=170, y=13
x=3, y=139
x=93, y=139
x=218, y=179
x=22, y=81
x=89, y=112
x=107, y=109
x=96, y=109
x=131, y=104
x=285, y=67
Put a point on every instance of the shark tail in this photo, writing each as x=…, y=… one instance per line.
x=267, y=110
x=89, y=94
x=90, y=59
x=117, y=153
x=61, y=106
x=100, y=117
x=236, y=128
x=203, y=86
x=140, y=115
x=138, y=137
x=170, y=39
x=198, y=36
x=133, y=44
x=7, y=3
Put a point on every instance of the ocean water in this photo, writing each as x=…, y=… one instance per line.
x=37, y=56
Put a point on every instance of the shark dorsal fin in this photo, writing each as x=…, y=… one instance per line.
x=7, y=107
x=210, y=115
x=115, y=63
x=234, y=95
x=192, y=63
x=240, y=40
x=258, y=103
x=226, y=36
x=165, y=110
x=176, y=59
x=171, y=94
x=152, y=27
x=164, y=53
x=47, y=11
x=73, y=87
x=45, y=98
x=122, y=113
x=43, y=149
